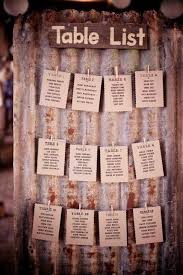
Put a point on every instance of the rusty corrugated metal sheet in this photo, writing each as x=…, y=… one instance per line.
x=32, y=55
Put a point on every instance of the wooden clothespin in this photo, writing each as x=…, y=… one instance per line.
x=56, y=70
x=88, y=72
x=116, y=71
x=48, y=205
x=84, y=141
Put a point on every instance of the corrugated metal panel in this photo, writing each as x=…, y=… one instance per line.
x=32, y=55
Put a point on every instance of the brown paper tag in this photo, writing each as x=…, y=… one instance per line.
x=86, y=92
x=51, y=157
x=147, y=159
x=118, y=93
x=83, y=163
x=46, y=224
x=112, y=228
x=114, y=164
x=149, y=89
x=80, y=227
x=148, y=225
x=54, y=90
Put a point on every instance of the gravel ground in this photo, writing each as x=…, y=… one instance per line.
x=6, y=223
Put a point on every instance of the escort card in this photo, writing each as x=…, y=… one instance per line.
x=112, y=228
x=148, y=225
x=118, y=93
x=46, y=222
x=149, y=89
x=83, y=163
x=114, y=164
x=54, y=90
x=86, y=92
x=80, y=227
x=147, y=158
x=51, y=157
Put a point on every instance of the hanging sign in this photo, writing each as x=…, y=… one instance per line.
x=117, y=93
x=86, y=92
x=54, y=90
x=97, y=35
x=114, y=164
x=51, y=157
x=80, y=227
x=148, y=225
x=46, y=224
x=83, y=163
x=148, y=160
x=112, y=228
x=149, y=89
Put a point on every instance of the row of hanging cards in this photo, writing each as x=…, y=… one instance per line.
x=113, y=161
x=117, y=91
x=112, y=225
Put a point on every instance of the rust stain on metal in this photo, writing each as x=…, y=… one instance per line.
x=72, y=184
x=70, y=131
x=72, y=203
x=91, y=202
x=131, y=199
x=49, y=116
x=52, y=195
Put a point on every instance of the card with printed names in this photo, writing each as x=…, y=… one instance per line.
x=112, y=228
x=46, y=223
x=148, y=225
x=147, y=159
x=83, y=163
x=54, y=90
x=149, y=89
x=118, y=93
x=114, y=164
x=51, y=157
x=86, y=92
x=80, y=227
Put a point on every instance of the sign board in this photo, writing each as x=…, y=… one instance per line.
x=98, y=35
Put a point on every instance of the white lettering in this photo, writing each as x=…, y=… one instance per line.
x=73, y=36
x=58, y=29
x=112, y=41
x=124, y=37
x=78, y=36
x=93, y=38
x=67, y=38
x=131, y=40
x=141, y=35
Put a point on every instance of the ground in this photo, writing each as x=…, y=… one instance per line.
x=6, y=223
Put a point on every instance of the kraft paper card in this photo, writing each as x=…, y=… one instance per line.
x=118, y=93
x=80, y=227
x=114, y=164
x=147, y=159
x=86, y=92
x=51, y=157
x=83, y=163
x=46, y=224
x=54, y=90
x=149, y=89
x=148, y=225
x=112, y=228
